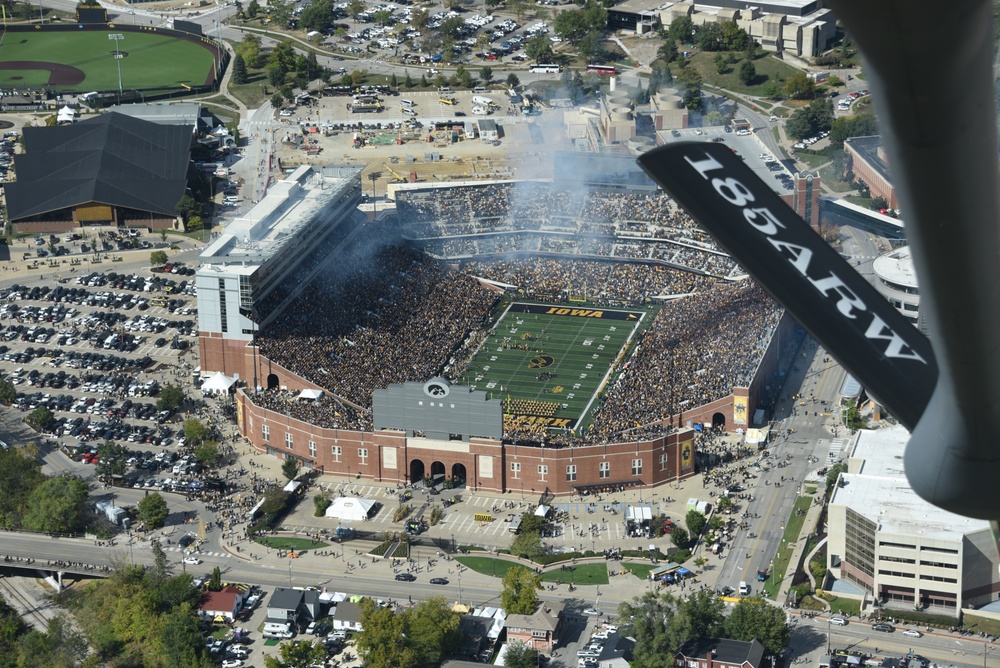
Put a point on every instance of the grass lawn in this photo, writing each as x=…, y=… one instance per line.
x=582, y=574
x=811, y=160
x=792, y=528
x=291, y=543
x=150, y=61
x=252, y=92
x=548, y=362
x=768, y=68
x=641, y=571
x=487, y=565
x=840, y=605
x=833, y=179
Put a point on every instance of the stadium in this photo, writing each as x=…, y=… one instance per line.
x=543, y=337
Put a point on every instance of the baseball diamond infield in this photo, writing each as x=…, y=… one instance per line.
x=87, y=60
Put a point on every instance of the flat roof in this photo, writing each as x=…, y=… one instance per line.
x=879, y=491
x=896, y=267
x=290, y=204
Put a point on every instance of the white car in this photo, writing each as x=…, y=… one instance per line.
x=593, y=612
x=194, y=561
x=838, y=621
x=913, y=633
x=232, y=663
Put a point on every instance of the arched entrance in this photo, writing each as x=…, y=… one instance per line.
x=718, y=421
x=437, y=472
x=416, y=470
x=272, y=381
x=458, y=475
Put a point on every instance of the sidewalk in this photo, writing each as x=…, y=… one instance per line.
x=808, y=528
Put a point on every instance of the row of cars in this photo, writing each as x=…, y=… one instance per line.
x=588, y=655
x=881, y=627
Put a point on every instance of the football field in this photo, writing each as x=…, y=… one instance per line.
x=548, y=363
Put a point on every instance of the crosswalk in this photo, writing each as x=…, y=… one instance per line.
x=837, y=448
x=175, y=548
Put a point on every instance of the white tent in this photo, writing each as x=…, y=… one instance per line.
x=310, y=394
x=66, y=115
x=220, y=382
x=344, y=508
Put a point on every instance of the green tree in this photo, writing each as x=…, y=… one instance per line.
x=194, y=224
x=520, y=655
x=275, y=75
x=432, y=628
x=863, y=124
x=215, y=581
x=19, y=475
x=833, y=474
x=519, y=595
x=171, y=397
x=724, y=503
x=58, y=647
x=681, y=30
x=754, y=618
x=799, y=86
x=394, y=81
x=162, y=569
x=799, y=124
x=317, y=16
x=709, y=37
x=112, y=461
x=253, y=9
x=157, y=258
x=239, y=69
x=721, y=63
x=180, y=639
x=277, y=99
x=8, y=393
x=667, y=51
x=700, y=614
x=187, y=206
x=290, y=468
x=690, y=81
x=207, y=453
x=695, y=522
x=321, y=502
x=748, y=73
x=355, y=9
x=300, y=654
x=539, y=48
x=527, y=544
x=194, y=431
x=419, y=19
x=571, y=25
x=679, y=537
x=513, y=80
x=41, y=418
x=56, y=505
x=486, y=74
x=282, y=55
x=645, y=618
x=249, y=50
x=152, y=510
x=383, y=641
x=275, y=499
x=591, y=47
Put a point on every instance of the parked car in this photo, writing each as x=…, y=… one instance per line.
x=439, y=581
x=913, y=633
x=838, y=621
x=594, y=612
x=406, y=577
x=884, y=628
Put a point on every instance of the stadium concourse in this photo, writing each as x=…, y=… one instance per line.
x=386, y=313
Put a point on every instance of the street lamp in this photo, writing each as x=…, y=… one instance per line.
x=117, y=36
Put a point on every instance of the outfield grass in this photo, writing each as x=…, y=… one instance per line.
x=151, y=61
x=548, y=361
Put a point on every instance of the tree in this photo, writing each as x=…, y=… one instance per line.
x=41, y=418
x=860, y=125
x=799, y=124
x=157, y=258
x=153, y=511
x=275, y=499
x=699, y=615
x=301, y=654
x=520, y=655
x=249, y=49
x=512, y=80
x=486, y=74
x=215, y=581
x=312, y=68
x=419, y=19
x=8, y=393
x=645, y=618
x=207, y=452
x=187, y=206
x=799, y=86
x=695, y=522
x=275, y=75
x=194, y=223
x=690, y=81
x=112, y=461
x=591, y=47
x=180, y=639
x=277, y=99
x=709, y=37
x=748, y=73
x=355, y=9
x=290, y=468
x=283, y=56
x=833, y=474
x=679, y=537
x=721, y=63
x=171, y=397
x=321, y=502
x=253, y=9
x=667, y=51
x=239, y=69
x=432, y=627
x=527, y=544
x=56, y=505
x=383, y=643
x=519, y=595
x=538, y=48
x=724, y=503
x=753, y=618
x=571, y=25
x=681, y=29
x=317, y=16
x=19, y=475
x=194, y=431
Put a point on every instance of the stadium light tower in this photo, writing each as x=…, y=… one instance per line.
x=117, y=36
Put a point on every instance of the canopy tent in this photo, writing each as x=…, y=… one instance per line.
x=756, y=436
x=310, y=394
x=542, y=511
x=219, y=382
x=66, y=115
x=347, y=509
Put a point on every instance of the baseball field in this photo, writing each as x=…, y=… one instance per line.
x=86, y=61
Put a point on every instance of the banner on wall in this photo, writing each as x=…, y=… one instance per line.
x=740, y=410
x=239, y=413
x=687, y=454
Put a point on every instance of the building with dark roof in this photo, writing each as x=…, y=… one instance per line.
x=719, y=653
x=870, y=165
x=108, y=170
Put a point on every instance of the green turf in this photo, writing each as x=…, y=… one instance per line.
x=153, y=61
x=577, y=345
x=582, y=574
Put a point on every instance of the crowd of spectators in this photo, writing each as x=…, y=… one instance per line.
x=384, y=314
x=532, y=217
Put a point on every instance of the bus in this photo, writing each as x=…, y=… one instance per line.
x=546, y=68
x=603, y=70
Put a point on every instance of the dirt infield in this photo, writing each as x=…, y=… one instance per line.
x=59, y=75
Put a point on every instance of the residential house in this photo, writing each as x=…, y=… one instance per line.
x=719, y=653
x=347, y=617
x=221, y=605
x=539, y=630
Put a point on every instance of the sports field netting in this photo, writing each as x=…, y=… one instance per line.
x=548, y=363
